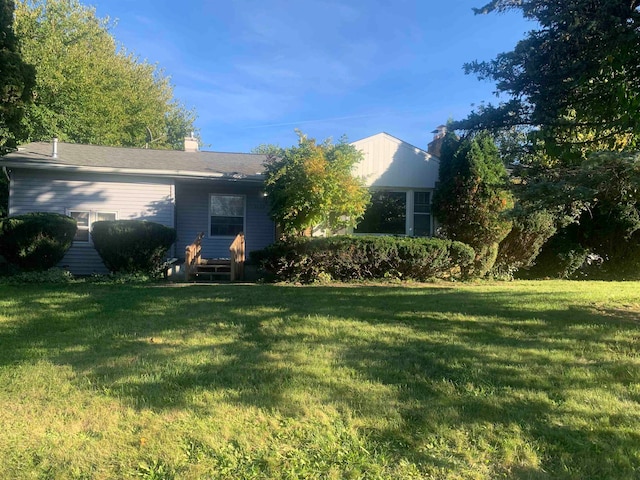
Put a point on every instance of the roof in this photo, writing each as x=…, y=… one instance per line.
x=167, y=163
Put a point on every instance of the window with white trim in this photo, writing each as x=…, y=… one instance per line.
x=85, y=219
x=422, y=214
x=226, y=215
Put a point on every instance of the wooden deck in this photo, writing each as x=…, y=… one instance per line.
x=212, y=269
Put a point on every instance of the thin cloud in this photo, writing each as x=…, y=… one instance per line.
x=318, y=120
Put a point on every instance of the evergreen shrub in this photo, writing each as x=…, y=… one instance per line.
x=347, y=258
x=36, y=241
x=132, y=246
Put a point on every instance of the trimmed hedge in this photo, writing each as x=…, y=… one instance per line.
x=347, y=258
x=132, y=246
x=36, y=241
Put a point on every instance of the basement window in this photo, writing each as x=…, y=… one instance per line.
x=85, y=219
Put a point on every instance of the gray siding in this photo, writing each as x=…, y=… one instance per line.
x=130, y=197
x=192, y=212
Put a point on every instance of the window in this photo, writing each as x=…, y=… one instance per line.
x=85, y=219
x=226, y=215
x=422, y=214
x=387, y=213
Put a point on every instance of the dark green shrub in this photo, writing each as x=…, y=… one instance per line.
x=346, y=258
x=56, y=276
x=522, y=245
x=131, y=246
x=561, y=257
x=36, y=241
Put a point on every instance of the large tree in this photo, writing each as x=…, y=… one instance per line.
x=572, y=82
x=572, y=90
x=88, y=88
x=16, y=81
x=311, y=185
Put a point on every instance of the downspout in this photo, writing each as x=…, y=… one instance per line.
x=6, y=173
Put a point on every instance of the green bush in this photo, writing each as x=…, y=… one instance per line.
x=346, y=258
x=36, y=241
x=522, y=245
x=132, y=246
x=54, y=275
x=561, y=257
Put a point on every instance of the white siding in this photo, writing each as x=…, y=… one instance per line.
x=391, y=163
x=130, y=197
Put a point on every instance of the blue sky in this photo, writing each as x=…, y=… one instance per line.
x=256, y=70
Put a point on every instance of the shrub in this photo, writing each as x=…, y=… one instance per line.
x=559, y=258
x=51, y=276
x=365, y=258
x=36, y=241
x=522, y=245
x=132, y=246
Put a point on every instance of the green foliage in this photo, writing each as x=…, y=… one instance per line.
x=52, y=276
x=347, y=258
x=575, y=78
x=596, y=207
x=561, y=257
x=36, y=241
x=523, y=243
x=472, y=197
x=310, y=185
x=17, y=79
x=88, y=88
x=132, y=246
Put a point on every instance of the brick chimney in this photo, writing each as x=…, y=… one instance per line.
x=435, y=146
x=191, y=144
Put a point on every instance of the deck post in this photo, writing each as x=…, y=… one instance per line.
x=193, y=257
x=236, y=251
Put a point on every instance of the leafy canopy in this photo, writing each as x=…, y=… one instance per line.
x=311, y=184
x=17, y=79
x=573, y=80
x=88, y=88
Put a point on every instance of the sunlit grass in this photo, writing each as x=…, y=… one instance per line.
x=506, y=380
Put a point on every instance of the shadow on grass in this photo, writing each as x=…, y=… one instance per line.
x=445, y=357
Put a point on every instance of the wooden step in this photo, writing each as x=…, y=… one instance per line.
x=213, y=269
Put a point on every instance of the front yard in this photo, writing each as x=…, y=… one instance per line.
x=527, y=380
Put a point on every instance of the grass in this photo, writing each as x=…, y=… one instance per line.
x=526, y=380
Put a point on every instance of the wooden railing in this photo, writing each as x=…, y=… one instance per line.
x=193, y=257
x=236, y=251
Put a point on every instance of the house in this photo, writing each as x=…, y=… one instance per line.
x=220, y=194
x=402, y=179
x=192, y=191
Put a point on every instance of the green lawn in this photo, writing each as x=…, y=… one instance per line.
x=509, y=380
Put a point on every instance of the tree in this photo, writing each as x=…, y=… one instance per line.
x=573, y=82
x=309, y=185
x=572, y=89
x=16, y=81
x=472, y=197
x=88, y=88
